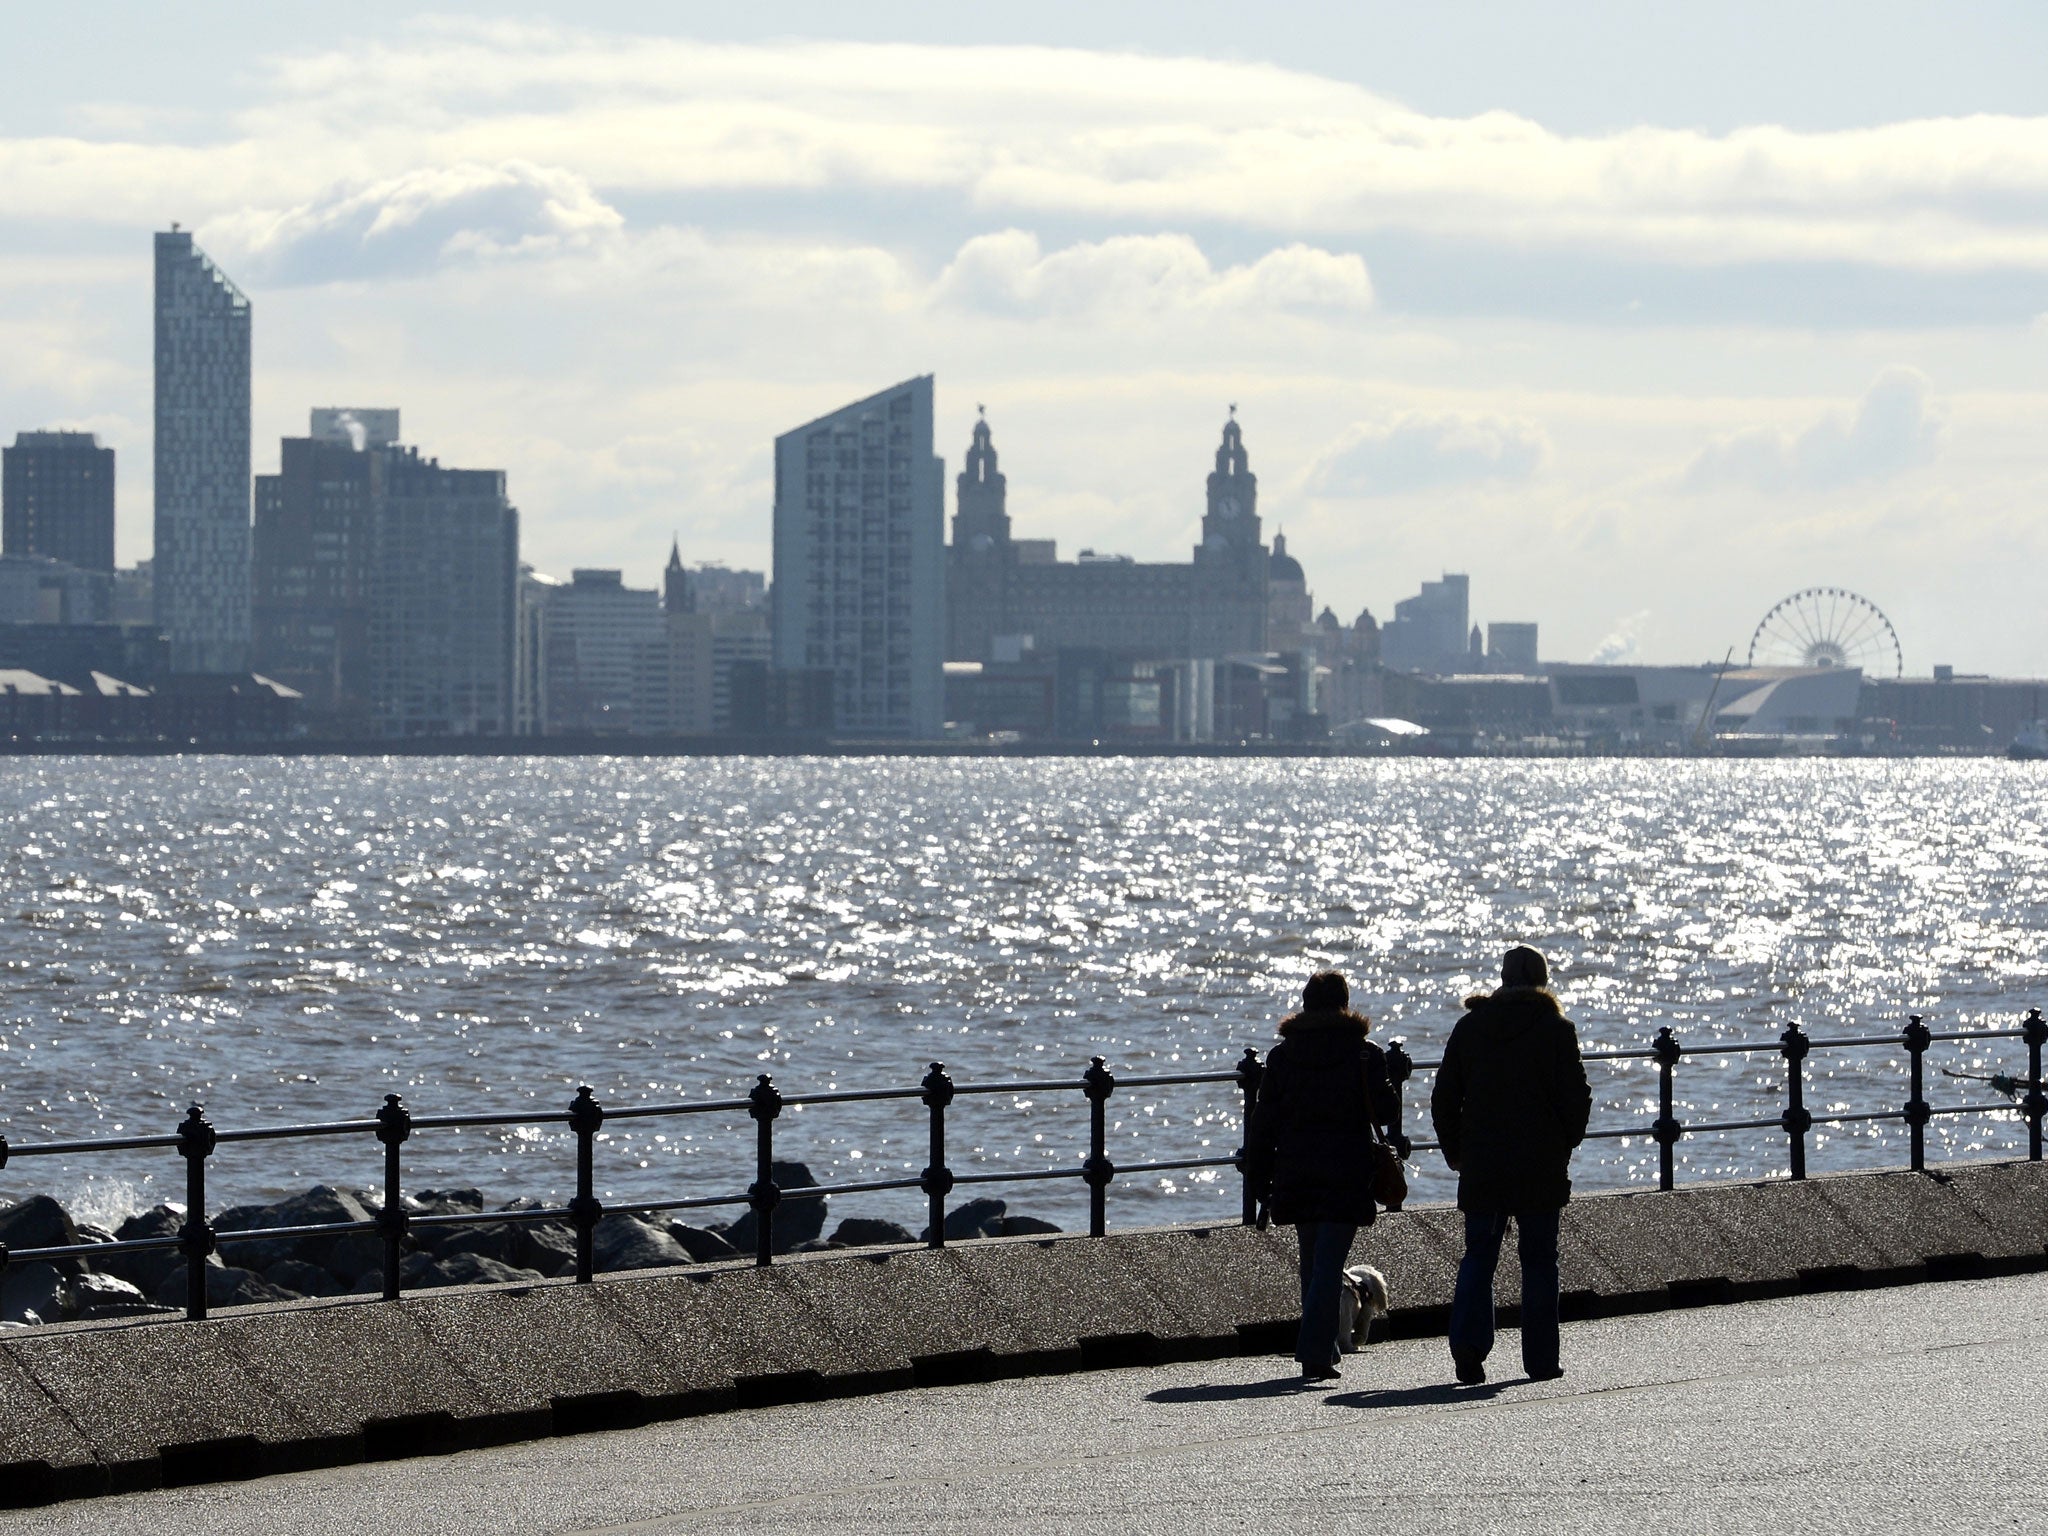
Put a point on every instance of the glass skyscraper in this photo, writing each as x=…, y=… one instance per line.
x=202, y=460
x=860, y=545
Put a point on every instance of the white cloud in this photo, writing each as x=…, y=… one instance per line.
x=1007, y=274
x=420, y=220
x=1042, y=132
x=1418, y=450
x=1895, y=427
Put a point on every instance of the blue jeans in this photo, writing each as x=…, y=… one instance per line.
x=1472, y=1302
x=1325, y=1245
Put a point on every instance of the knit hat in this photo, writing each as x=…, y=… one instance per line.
x=1523, y=967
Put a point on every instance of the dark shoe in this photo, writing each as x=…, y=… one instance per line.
x=1311, y=1378
x=1470, y=1372
x=1549, y=1373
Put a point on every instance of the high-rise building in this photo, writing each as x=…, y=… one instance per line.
x=202, y=459
x=315, y=553
x=1511, y=647
x=444, y=598
x=57, y=499
x=596, y=625
x=682, y=680
x=860, y=585
x=1430, y=631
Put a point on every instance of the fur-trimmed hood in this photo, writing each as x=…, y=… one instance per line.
x=1310, y=1020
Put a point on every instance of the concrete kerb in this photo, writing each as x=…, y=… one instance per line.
x=88, y=1408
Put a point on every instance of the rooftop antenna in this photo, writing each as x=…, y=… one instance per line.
x=1233, y=410
x=981, y=410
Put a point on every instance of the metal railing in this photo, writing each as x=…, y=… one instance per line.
x=1795, y=1120
x=196, y=1140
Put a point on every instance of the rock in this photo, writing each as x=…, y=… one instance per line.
x=225, y=1287
x=701, y=1243
x=33, y=1293
x=100, y=1296
x=88, y=1233
x=868, y=1232
x=145, y=1270
x=1026, y=1226
x=38, y=1222
x=319, y=1206
x=975, y=1218
x=818, y=1245
x=442, y=1202
x=358, y=1254
x=302, y=1278
x=475, y=1269
x=796, y=1221
x=543, y=1246
x=627, y=1242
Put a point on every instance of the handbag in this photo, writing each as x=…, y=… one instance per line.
x=1388, y=1175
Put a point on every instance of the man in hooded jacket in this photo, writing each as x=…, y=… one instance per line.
x=1511, y=1103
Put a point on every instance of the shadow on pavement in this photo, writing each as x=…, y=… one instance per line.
x=1227, y=1391
x=1418, y=1397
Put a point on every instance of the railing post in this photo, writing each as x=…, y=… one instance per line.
x=1667, y=1130
x=2035, y=1031
x=1400, y=1067
x=3, y=1246
x=1794, y=1045
x=937, y=1179
x=1916, y=1038
x=196, y=1141
x=764, y=1104
x=585, y=1116
x=1098, y=1170
x=1250, y=1072
x=394, y=1127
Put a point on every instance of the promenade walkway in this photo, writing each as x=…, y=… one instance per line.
x=1917, y=1408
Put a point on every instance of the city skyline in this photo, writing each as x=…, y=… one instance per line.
x=1655, y=368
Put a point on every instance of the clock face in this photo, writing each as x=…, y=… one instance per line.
x=982, y=544
x=1227, y=507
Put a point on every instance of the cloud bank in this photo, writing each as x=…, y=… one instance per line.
x=1895, y=427
x=1416, y=451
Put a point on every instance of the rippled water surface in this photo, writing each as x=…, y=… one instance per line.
x=293, y=939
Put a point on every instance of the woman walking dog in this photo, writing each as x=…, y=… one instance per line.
x=1310, y=1149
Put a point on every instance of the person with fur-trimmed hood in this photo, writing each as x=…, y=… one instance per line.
x=1308, y=1149
x=1510, y=1106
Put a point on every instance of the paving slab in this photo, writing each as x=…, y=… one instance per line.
x=2012, y=1200
x=42, y=1454
x=1909, y=1217
x=1780, y=1234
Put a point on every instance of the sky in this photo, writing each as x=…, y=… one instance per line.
x=1643, y=315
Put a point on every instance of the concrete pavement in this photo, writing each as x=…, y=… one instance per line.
x=1918, y=1407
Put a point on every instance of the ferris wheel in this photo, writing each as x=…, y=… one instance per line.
x=1828, y=627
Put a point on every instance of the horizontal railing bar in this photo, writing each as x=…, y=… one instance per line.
x=282, y=1132
x=88, y=1251
x=1773, y=1124
x=459, y=1122
x=643, y=1111
x=1612, y=1056
x=1040, y=1085
x=1178, y=1077
x=852, y=1095
x=1976, y=1109
x=64, y=1148
x=1627, y=1130
x=1887, y=1114
x=1012, y=1178
x=695, y=1203
x=265, y=1234
x=1982, y=1034
x=1185, y=1162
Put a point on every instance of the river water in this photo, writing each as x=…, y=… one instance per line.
x=289, y=940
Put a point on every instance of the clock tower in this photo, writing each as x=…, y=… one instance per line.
x=1230, y=526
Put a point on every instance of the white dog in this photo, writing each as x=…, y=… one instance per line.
x=1363, y=1298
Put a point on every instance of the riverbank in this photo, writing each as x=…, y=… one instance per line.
x=101, y=1407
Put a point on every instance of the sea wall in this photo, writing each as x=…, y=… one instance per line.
x=97, y=1407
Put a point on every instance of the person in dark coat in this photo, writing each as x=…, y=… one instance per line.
x=1308, y=1149
x=1511, y=1104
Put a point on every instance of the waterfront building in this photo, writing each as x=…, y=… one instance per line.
x=444, y=593
x=1511, y=647
x=530, y=653
x=682, y=680
x=135, y=593
x=1430, y=632
x=57, y=499
x=715, y=589
x=596, y=627
x=860, y=583
x=34, y=589
x=1005, y=594
x=313, y=570
x=202, y=553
